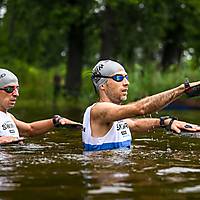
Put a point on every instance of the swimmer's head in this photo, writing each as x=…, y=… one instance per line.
x=7, y=78
x=104, y=68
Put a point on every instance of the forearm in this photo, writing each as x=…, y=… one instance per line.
x=144, y=124
x=37, y=128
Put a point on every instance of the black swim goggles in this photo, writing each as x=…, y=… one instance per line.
x=116, y=77
x=10, y=89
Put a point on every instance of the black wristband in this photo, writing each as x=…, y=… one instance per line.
x=168, y=127
x=186, y=84
x=162, y=121
x=56, y=120
x=192, y=91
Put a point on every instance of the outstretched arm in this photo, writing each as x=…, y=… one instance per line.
x=108, y=112
x=158, y=101
x=148, y=124
x=143, y=124
x=39, y=127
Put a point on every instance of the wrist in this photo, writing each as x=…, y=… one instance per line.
x=192, y=90
x=163, y=120
x=186, y=85
x=168, y=127
x=167, y=121
x=56, y=120
x=182, y=88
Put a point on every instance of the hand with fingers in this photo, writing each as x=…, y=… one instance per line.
x=65, y=123
x=179, y=126
x=9, y=139
x=192, y=89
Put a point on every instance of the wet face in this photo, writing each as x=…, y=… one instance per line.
x=117, y=91
x=8, y=96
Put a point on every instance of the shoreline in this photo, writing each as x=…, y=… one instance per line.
x=184, y=104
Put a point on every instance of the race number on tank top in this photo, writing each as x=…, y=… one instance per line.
x=7, y=125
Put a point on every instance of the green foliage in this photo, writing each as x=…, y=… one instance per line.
x=151, y=81
x=88, y=94
x=144, y=81
x=36, y=84
x=36, y=33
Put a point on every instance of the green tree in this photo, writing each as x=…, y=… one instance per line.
x=77, y=33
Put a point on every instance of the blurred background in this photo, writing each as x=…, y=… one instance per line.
x=52, y=45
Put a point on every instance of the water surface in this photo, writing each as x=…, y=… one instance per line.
x=53, y=166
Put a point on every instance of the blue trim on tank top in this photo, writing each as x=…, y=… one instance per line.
x=107, y=146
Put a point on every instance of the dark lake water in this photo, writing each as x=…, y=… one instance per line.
x=53, y=166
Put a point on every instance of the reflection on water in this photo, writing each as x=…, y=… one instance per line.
x=195, y=189
x=110, y=189
x=176, y=170
x=158, y=166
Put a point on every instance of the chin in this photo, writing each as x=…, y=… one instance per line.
x=11, y=106
x=124, y=98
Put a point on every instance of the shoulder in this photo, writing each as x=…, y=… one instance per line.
x=103, y=107
x=103, y=110
x=12, y=116
x=6, y=114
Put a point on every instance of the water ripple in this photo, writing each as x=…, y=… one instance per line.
x=194, y=189
x=110, y=189
x=177, y=170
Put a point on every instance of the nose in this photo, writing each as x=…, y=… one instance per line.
x=15, y=92
x=125, y=81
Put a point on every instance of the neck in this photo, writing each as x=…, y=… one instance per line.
x=106, y=99
x=3, y=110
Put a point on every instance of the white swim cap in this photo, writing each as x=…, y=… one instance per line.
x=104, y=68
x=7, y=77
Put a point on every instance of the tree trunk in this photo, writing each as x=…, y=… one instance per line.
x=11, y=26
x=108, y=34
x=172, y=48
x=74, y=61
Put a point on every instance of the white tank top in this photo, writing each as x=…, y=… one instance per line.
x=7, y=125
x=119, y=136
